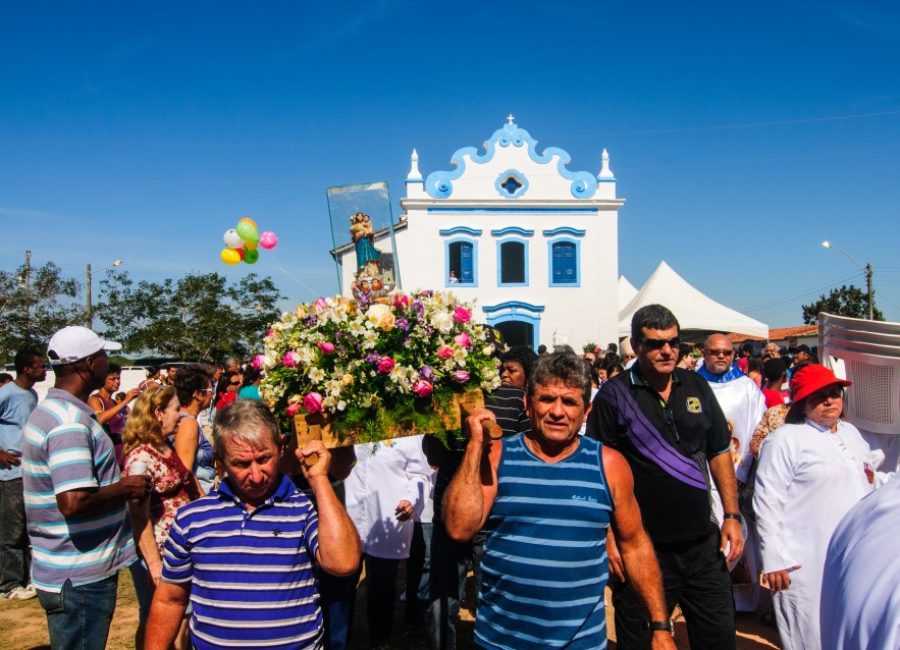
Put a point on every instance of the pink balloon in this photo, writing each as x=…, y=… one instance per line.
x=268, y=240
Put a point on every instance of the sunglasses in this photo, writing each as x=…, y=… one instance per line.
x=657, y=344
x=834, y=392
x=234, y=383
x=720, y=353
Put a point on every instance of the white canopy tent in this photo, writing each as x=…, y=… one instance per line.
x=626, y=290
x=693, y=309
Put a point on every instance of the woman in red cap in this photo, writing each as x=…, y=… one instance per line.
x=811, y=472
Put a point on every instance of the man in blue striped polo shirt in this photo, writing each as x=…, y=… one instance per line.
x=547, y=498
x=75, y=500
x=243, y=556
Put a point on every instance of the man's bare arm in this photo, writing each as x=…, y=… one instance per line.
x=470, y=495
x=166, y=613
x=639, y=559
x=85, y=501
x=339, y=549
x=722, y=470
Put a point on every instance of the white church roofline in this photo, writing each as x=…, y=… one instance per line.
x=439, y=184
x=502, y=205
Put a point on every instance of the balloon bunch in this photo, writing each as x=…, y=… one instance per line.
x=241, y=243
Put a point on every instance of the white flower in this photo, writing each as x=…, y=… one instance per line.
x=442, y=321
x=341, y=405
x=316, y=375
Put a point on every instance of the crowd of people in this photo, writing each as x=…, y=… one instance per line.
x=689, y=477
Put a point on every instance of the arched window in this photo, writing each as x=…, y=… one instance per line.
x=564, y=269
x=513, y=263
x=461, y=262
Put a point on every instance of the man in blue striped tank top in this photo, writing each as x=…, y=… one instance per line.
x=547, y=498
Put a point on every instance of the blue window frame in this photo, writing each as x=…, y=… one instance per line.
x=565, y=263
x=461, y=260
x=512, y=263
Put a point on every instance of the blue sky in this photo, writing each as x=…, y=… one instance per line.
x=742, y=134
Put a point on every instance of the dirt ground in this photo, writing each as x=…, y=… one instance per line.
x=24, y=627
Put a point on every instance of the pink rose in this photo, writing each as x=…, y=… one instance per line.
x=292, y=409
x=422, y=388
x=460, y=376
x=401, y=300
x=270, y=333
x=463, y=340
x=321, y=304
x=291, y=359
x=312, y=402
x=259, y=361
x=461, y=315
x=444, y=353
x=385, y=365
x=326, y=347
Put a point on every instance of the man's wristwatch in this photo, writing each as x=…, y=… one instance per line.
x=733, y=515
x=661, y=626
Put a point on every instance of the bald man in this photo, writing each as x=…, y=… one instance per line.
x=744, y=405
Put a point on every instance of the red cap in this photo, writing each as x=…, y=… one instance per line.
x=813, y=377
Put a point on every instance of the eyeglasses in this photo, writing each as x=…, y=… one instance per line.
x=833, y=392
x=720, y=353
x=234, y=383
x=657, y=344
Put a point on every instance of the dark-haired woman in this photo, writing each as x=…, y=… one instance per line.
x=191, y=444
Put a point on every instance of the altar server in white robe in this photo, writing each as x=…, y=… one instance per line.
x=811, y=472
x=860, y=597
x=743, y=404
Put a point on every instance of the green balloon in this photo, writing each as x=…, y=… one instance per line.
x=248, y=232
x=250, y=257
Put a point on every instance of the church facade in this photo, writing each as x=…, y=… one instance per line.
x=534, y=243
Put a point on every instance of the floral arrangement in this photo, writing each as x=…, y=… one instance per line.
x=375, y=367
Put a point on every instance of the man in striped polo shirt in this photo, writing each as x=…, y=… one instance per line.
x=243, y=556
x=547, y=498
x=75, y=500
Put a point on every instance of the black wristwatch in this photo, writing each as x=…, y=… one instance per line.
x=733, y=515
x=661, y=626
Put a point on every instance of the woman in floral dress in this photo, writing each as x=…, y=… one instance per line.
x=154, y=417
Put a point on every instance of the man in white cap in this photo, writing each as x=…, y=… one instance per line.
x=75, y=500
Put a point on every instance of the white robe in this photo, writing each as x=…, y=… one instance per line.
x=806, y=481
x=386, y=473
x=860, y=594
x=743, y=404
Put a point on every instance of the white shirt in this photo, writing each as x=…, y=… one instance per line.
x=807, y=479
x=860, y=594
x=385, y=474
x=743, y=404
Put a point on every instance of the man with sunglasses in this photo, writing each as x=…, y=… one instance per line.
x=669, y=426
x=75, y=499
x=744, y=405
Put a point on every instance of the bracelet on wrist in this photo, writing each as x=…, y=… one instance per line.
x=661, y=626
x=733, y=515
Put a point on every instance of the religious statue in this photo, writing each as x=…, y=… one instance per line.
x=370, y=280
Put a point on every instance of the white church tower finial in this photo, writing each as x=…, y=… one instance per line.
x=414, y=173
x=510, y=119
x=605, y=171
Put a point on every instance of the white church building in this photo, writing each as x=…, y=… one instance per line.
x=534, y=243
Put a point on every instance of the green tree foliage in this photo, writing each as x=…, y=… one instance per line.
x=847, y=301
x=31, y=317
x=196, y=317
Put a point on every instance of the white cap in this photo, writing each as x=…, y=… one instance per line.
x=73, y=343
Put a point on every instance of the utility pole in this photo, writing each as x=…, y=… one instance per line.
x=89, y=313
x=27, y=288
x=870, y=291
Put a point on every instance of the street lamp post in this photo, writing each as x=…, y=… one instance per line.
x=88, y=307
x=867, y=269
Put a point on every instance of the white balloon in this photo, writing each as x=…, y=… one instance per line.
x=232, y=239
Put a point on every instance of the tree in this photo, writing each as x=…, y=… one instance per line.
x=196, y=317
x=33, y=305
x=847, y=301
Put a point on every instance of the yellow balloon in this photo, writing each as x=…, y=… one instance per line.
x=250, y=221
x=251, y=245
x=230, y=256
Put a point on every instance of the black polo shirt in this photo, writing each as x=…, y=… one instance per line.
x=667, y=446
